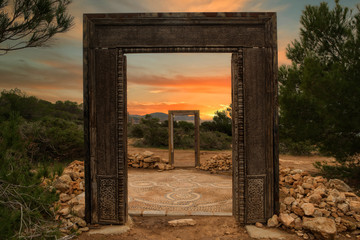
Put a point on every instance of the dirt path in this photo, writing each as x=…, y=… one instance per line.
x=157, y=228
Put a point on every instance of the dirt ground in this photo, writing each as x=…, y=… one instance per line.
x=183, y=158
x=209, y=228
x=157, y=228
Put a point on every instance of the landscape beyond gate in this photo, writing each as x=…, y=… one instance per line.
x=250, y=37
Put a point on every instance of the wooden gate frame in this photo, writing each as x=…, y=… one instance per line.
x=171, y=114
x=252, y=40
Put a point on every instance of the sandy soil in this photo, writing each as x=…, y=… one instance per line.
x=209, y=228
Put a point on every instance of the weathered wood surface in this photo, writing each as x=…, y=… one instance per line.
x=251, y=37
x=259, y=110
x=168, y=30
x=171, y=114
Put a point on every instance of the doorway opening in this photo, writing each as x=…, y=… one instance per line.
x=158, y=183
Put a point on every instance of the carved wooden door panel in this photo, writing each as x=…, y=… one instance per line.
x=253, y=116
x=107, y=137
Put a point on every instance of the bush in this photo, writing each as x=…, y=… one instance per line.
x=214, y=141
x=24, y=205
x=53, y=139
x=287, y=146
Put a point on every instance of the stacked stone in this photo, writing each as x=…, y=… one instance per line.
x=314, y=207
x=147, y=159
x=70, y=209
x=219, y=162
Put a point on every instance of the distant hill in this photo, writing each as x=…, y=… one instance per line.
x=162, y=117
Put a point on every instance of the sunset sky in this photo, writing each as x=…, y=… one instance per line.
x=156, y=82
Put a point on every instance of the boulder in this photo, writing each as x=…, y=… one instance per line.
x=289, y=200
x=308, y=208
x=315, y=198
x=273, y=221
x=182, y=222
x=298, y=211
x=64, y=197
x=339, y=185
x=321, y=227
x=147, y=154
x=344, y=207
x=286, y=219
x=65, y=179
x=79, y=210
x=59, y=185
x=355, y=206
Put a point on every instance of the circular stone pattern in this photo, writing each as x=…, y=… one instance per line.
x=183, y=184
x=183, y=196
x=142, y=184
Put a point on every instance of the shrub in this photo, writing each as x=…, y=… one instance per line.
x=214, y=141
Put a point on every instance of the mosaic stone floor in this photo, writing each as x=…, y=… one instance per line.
x=182, y=191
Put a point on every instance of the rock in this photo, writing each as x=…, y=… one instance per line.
x=335, y=196
x=289, y=200
x=164, y=160
x=344, y=207
x=355, y=206
x=273, y=221
x=307, y=186
x=147, y=154
x=318, y=213
x=84, y=229
x=297, y=176
x=286, y=219
x=321, y=227
x=182, y=222
x=64, y=211
x=315, y=198
x=65, y=179
x=259, y=225
x=282, y=207
x=74, y=175
x=79, y=199
x=64, y=197
x=339, y=185
x=308, y=209
x=79, y=221
x=149, y=160
x=79, y=210
x=298, y=211
x=350, y=226
x=161, y=166
x=298, y=223
x=59, y=185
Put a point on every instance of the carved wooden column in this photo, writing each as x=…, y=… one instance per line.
x=238, y=142
x=107, y=137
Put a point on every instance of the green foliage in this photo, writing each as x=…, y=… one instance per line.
x=320, y=92
x=349, y=171
x=26, y=24
x=221, y=123
x=33, y=109
x=24, y=205
x=153, y=133
x=214, y=140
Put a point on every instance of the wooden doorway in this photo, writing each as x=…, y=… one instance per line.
x=250, y=37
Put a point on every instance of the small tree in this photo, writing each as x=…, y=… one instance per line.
x=31, y=23
x=320, y=91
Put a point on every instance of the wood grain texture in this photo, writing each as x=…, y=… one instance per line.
x=251, y=37
x=171, y=114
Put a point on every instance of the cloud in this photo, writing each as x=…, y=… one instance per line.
x=195, y=5
x=47, y=79
x=142, y=108
x=180, y=83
